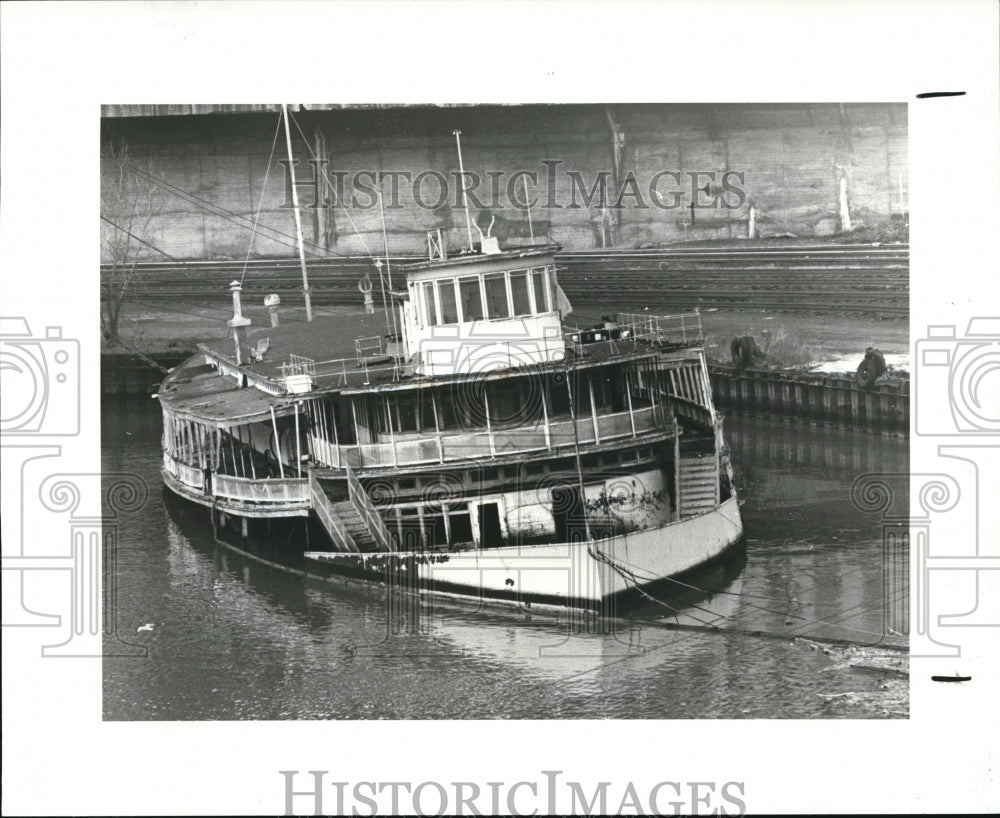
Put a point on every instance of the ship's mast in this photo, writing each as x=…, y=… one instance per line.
x=465, y=201
x=298, y=218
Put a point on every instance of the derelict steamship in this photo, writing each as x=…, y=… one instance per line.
x=475, y=444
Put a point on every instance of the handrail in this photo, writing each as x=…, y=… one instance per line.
x=664, y=328
x=363, y=504
x=339, y=534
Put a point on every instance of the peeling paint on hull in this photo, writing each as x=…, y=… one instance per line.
x=579, y=574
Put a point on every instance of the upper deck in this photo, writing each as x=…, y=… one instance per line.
x=485, y=316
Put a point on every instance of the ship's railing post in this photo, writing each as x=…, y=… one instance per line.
x=628, y=395
x=489, y=426
x=545, y=416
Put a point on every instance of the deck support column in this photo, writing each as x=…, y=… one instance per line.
x=593, y=408
x=437, y=427
x=628, y=395
x=298, y=441
x=489, y=426
x=277, y=444
x=545, y=414
x=333, y=428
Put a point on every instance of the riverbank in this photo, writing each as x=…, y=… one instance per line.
x=800, y=340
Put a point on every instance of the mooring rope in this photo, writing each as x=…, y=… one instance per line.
x=628, y=575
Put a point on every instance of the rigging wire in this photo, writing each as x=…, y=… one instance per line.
x=141, y=241
x=374, y=259
x=224, y=213
x=329, y=184
x=260, y=203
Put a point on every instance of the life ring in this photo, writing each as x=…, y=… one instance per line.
x=365, y=284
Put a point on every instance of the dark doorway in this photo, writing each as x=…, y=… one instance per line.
x=490, y=535
x=567, y=512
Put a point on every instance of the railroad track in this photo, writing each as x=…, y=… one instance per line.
x=856, y=279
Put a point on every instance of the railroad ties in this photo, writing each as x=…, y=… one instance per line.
x=860, y=279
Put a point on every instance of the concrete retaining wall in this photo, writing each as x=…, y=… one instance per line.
x=210, y=171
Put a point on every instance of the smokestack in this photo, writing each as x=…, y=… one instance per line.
x=271, y=302
x=239, y=325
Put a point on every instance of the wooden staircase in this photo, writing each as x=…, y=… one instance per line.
x=699, y=485
x=353, y=525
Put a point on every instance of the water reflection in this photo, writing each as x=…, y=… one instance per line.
x=237, y=639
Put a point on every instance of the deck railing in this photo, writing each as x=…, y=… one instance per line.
x=265, y=493
x=499, y=442
x=269, y=491
x=683, y=328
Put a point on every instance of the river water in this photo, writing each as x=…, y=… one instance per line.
x=235, y=639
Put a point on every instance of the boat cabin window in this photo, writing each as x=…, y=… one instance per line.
x=520, y=293
x=448, y=301
x=472, y=300
x=495, y=295
x=430, y=309
x=540, y=291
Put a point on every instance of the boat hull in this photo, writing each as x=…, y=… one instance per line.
x=567, y=575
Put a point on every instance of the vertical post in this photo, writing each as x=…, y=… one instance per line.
x=437, y=426
x=531, y=228
x=253, y=469
x=232, y=454
x=277, y=443
x=545, y=412
x=357, y=437
x=677, y=470
x=332, y=427
x=593, y=408
x=489, y=426
x=298, y=441
x=298, y=217
x=465, y=201
x=628, y=395
x=576, y=449
x=385, y=244
x=243, y=460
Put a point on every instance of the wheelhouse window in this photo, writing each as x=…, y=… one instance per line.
x=496, y=295
x=540, y=290
x=449, y=304
x=520, y=293
x=472, y=299
x=430, y=310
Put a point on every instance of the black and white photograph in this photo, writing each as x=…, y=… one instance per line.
x=585, y=398
x=528, y=423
